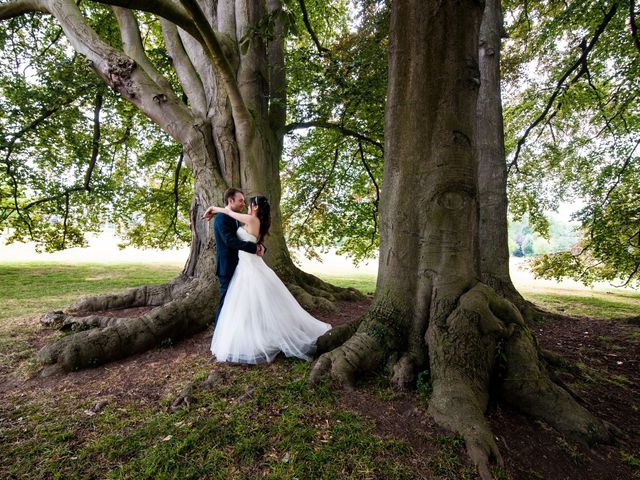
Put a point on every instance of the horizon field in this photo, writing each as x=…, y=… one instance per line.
x=103, y=267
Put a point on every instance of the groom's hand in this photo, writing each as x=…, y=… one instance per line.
x=260, y=251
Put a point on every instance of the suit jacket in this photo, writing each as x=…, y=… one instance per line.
x=228, y=244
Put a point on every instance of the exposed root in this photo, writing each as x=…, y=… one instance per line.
x=478, y=344
x=457, y=406
x=145, y=296
x=361, y=353
x=79, y=324
x=313, y=293
x=462, y=355
x=118, y=338
x=528, y=387
x=403, y=370
x=482, y=330
x=505, y=289
x=337, y=336
x=359, y=347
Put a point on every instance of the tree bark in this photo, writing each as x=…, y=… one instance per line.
x=491, y=164
x=430, y=310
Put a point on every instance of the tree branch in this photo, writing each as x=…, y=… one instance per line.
x=20, y=7
x=376, y=203
x=95, y=151
x=66, y=219
x=176, y=204
x=10, y=146
x=561, y=83
x=132, y=46
x=333, y=126
x=119, y=71
x=620, y=173
x=163, y=8
x=43, y=116
x=95, y=144
x=322, y=187
x=220, y=62
x=305, y=17
x=187, y=74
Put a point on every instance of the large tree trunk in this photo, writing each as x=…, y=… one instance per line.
x=491, y=163
x=430, y=308
x=231, y=131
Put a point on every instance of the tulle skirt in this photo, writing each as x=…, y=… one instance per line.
x=260, y=318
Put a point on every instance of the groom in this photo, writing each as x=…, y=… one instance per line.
x=228, y=243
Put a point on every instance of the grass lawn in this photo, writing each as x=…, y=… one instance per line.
x=36, y=287
x=60, y=284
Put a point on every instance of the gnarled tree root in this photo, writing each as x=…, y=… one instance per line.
x=527, y=387
x=145, y=296
x=182, y=307
x=358, y=347
x=190, y=310
x=313, y=293
x=478, y=345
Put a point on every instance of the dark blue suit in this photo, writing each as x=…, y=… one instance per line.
x=227, y=246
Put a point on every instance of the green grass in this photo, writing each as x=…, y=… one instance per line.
x=446, y=463
x=365, y=282
x=30, y=289
x=591, y=304
x=284, y=431
x=36, y=287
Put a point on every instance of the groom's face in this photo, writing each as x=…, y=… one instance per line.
x=236, y=203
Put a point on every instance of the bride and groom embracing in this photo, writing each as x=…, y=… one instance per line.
x=257, y=316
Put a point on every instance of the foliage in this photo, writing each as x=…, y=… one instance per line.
x=526, y=242
x=75, y=154
x=331, y=179
x=571, y=74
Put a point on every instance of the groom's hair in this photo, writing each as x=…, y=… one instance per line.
x=230, y=193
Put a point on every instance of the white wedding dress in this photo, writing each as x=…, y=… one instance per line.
x=260, y=318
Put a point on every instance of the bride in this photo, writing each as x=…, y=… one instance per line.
x=259, y=317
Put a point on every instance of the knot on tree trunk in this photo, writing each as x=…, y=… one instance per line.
x=119, y=70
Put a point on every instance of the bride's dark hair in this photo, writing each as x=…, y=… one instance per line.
x=264, y=214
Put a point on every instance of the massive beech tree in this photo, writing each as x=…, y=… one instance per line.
x=430, y=310
x=231, y=131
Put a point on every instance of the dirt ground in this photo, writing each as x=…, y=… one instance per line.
x=602, y=368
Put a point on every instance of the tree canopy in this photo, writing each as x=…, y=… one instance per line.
x=572, y=79
x=76, y=155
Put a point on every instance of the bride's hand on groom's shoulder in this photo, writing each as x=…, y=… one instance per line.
x=210, y=212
